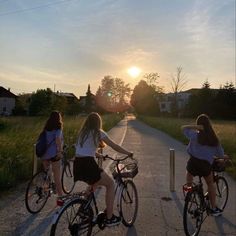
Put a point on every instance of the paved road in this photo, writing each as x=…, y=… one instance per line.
x=160, y=211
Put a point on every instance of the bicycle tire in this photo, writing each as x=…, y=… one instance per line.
x=222, y=192
x=67, y=178
x=73, y=219
x=129, y=199
x=193, y=213
x=36, y=196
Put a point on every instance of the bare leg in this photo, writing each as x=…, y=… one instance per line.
x=110, y=192
x=211, y=189
x=56, y=168
x=189, y=179
x=46, y=164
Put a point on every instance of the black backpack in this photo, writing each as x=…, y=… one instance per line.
x=41, y=144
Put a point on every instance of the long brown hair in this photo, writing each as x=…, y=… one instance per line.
x=207, y=136
x=92, y=124
x=54, y=121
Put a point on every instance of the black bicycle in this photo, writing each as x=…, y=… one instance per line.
x=197, y=202
x=80, y=213
x=67, y=178
x=41, y=185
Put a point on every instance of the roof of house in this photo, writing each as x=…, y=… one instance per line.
x=6, y=93
x=68, y=95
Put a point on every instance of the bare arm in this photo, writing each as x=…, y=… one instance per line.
x=59, y=145
x=115, y=146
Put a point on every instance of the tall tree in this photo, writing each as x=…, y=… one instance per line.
x=88, y=102
x=112, y=94
x=152, y=80
x=178, y=82
x=144, y=100
x=41, y=102
x=224, y=102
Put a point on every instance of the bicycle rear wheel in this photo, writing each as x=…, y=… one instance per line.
x=193, y=214
x=67, y=178
x=129, y=203
x=73, y=219
x=222, y=192
x=37, y=192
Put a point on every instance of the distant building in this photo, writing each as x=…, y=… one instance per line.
x=7, y=101
x=70, y=97
x=182, y=100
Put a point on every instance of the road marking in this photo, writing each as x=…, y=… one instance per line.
x=121, y=142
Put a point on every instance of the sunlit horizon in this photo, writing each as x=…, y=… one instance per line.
x=69, y=45
x=134, y=71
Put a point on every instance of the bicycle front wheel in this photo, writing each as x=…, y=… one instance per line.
x=129, y=203
x=67, y=178
x=75, y=218
x=37, y=192
x=222, y=192
x=193, y=214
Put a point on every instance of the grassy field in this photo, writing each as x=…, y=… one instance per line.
x=226, y=131
x=17, y=138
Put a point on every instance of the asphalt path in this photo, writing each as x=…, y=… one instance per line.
x=160, y=210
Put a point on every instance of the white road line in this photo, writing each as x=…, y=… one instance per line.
x=121, y=142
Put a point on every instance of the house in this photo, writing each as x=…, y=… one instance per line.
x=182, y=100
x=7, y=101
x=70, y=97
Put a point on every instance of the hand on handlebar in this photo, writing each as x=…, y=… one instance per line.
x=226, y=157
x=99, y=155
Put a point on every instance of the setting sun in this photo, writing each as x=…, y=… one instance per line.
x=134, y=71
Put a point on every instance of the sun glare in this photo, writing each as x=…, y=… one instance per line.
x=134, y=71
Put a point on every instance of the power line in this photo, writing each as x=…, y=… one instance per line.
x=33, y=8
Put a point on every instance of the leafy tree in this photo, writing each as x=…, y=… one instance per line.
x=22, y=104
x=144, y=100
x=152, y=80
x=41, y=102
x=201, y=101
x=224, y=102
x=112, y=95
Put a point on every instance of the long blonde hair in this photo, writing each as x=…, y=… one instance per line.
x=92, y=124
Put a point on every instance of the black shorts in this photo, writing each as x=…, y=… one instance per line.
x=198, y=167
x=86, y=169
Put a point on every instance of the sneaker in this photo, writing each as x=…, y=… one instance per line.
x=115, y=220
x=216, y=212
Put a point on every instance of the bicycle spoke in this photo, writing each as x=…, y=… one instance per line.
x=37, y=192
x=73, y=220
x=67, y=177
x=193, y=214
x=129, y=203
x=222, y=192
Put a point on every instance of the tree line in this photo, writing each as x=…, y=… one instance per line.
x=114, y=95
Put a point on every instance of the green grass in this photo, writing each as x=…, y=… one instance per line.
x=17, y=138
x=226, y=131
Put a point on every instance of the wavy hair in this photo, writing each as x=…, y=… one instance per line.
x=207, y=136
x=54, y=121
x=92, y=124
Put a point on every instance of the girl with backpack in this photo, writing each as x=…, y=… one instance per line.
x=53, y=154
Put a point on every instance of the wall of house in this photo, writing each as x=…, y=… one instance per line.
x=7, y=105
